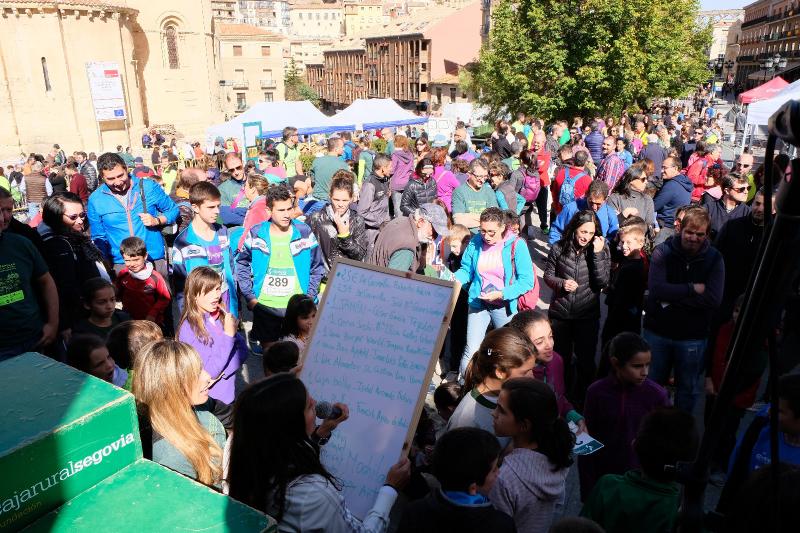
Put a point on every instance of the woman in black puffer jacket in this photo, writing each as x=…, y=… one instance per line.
x=577, y=269
x=339, y=229
x=421, y=188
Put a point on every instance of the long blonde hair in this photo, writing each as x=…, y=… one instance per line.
x=200, y=281
x=163, y=376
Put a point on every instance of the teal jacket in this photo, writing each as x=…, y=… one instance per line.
x=252, y=262
x=524, y=279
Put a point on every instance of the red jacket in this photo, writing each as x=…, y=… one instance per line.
x=543, y=165
x=77, y=185
x=697, y=173
x=719, y=364
x=143, y=298
x=580, y=187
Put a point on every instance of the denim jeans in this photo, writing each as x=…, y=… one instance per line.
x=688, y=359
x=396, y=197
x=477, y=322
x=33, y=210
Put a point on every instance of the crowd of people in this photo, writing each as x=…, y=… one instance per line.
x=144, y=279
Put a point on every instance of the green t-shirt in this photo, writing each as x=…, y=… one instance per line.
x=21, y=265
x=512, y=163
x=288, y=157
x=468, y=200
x=169, y=177
x=280, y=281
x=323, y=169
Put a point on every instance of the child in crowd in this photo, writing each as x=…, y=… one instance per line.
x=88, y=353
x=505, y=353
x=205, y=243
x=281, y=356
x=300, y=314
x=177, y=426
x=458, y=240
x=533, y=476
x=647, y=499
x=212, y=331
x=752, y=450
x=142, y=290
x=127, y=340
x=615, y=407
x=306, y=203
x=549, y=367
x=445, y=398
x=100, y=300
x=465, y=464
x=751, y=379
x=625, y=292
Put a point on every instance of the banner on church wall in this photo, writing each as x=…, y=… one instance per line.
x=105, y=85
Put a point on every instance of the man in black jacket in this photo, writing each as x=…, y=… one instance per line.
x=730, y=206
x=373, y=201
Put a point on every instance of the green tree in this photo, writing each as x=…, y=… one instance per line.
x=561, y=58
x=296, y=88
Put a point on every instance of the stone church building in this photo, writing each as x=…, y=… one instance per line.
x=165, y=57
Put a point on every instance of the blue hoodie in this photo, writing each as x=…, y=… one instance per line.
x=675, y=193
x=609, y=221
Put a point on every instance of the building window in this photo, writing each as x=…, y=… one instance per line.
x=241, y=101
x=439, y=96
x=265, y=51
x=267, y=97
x=46, y=75
x=452, y=95
x=239, y=74
x=171, y=37
x=237, y=51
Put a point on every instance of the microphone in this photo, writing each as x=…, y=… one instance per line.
x=325, y=410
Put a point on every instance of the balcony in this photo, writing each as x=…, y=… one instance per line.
x=268, y=84
x=241, y=84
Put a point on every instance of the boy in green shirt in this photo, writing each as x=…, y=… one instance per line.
x=646, y=499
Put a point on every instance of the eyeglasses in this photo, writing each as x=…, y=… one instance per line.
x=73, y=218
x=744, y=188
x=740, y=165
x=483, y=176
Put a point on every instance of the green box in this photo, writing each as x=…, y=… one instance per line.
x=62, y=432
x=149, y=497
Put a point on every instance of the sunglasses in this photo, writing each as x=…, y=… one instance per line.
x=698, y=133
x=739, y=165
x=741, y=189
x=73, y=218
x=240, y=167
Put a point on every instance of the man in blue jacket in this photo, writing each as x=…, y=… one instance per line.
x=280, y=258
x=594, y=143
x=595, y=199
x=128, y=207
x=676, y=192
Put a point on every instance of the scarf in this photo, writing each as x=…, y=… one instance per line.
x=82, y=242
x=144, y=273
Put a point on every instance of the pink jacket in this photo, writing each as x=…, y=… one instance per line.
x=446, y=183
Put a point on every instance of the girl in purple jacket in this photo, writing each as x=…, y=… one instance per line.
x=549, y=364
x=615, y=407
x=212, y=331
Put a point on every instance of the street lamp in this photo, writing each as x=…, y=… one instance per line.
x=772, y=64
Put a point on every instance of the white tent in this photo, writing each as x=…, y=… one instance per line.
x=375, y=113
x=274, y=116
x=758, y=113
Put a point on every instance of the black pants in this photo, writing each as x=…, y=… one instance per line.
x=541, y=207
x=578, y=338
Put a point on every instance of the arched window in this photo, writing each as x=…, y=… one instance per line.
x=171, y=40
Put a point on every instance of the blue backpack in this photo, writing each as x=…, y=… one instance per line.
x=567, y=193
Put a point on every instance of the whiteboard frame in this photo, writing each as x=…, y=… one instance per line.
x=437, y=348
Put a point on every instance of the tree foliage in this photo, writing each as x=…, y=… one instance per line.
x=561, y=58
x=296, y=88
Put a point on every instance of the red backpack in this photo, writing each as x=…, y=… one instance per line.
x=530, y=298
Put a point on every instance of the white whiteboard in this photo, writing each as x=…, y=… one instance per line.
x=375, y=343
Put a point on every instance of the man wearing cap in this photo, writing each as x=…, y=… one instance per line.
x=399, y=244
x=140, y=170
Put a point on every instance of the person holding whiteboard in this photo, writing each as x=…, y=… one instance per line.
x=275, y=465
x=495, y=283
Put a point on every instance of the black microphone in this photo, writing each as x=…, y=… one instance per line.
x=325, y=410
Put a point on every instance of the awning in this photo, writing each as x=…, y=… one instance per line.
x=763, y=91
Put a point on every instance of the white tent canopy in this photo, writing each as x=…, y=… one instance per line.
x=274, y=116
x=758, y=113
x=375, y=113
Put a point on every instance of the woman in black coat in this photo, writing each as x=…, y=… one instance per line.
x=577, y=269
x=339, y=229
x=69, y=253
x=421, y=188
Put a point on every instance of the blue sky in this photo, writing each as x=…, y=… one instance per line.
x=723, y=4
